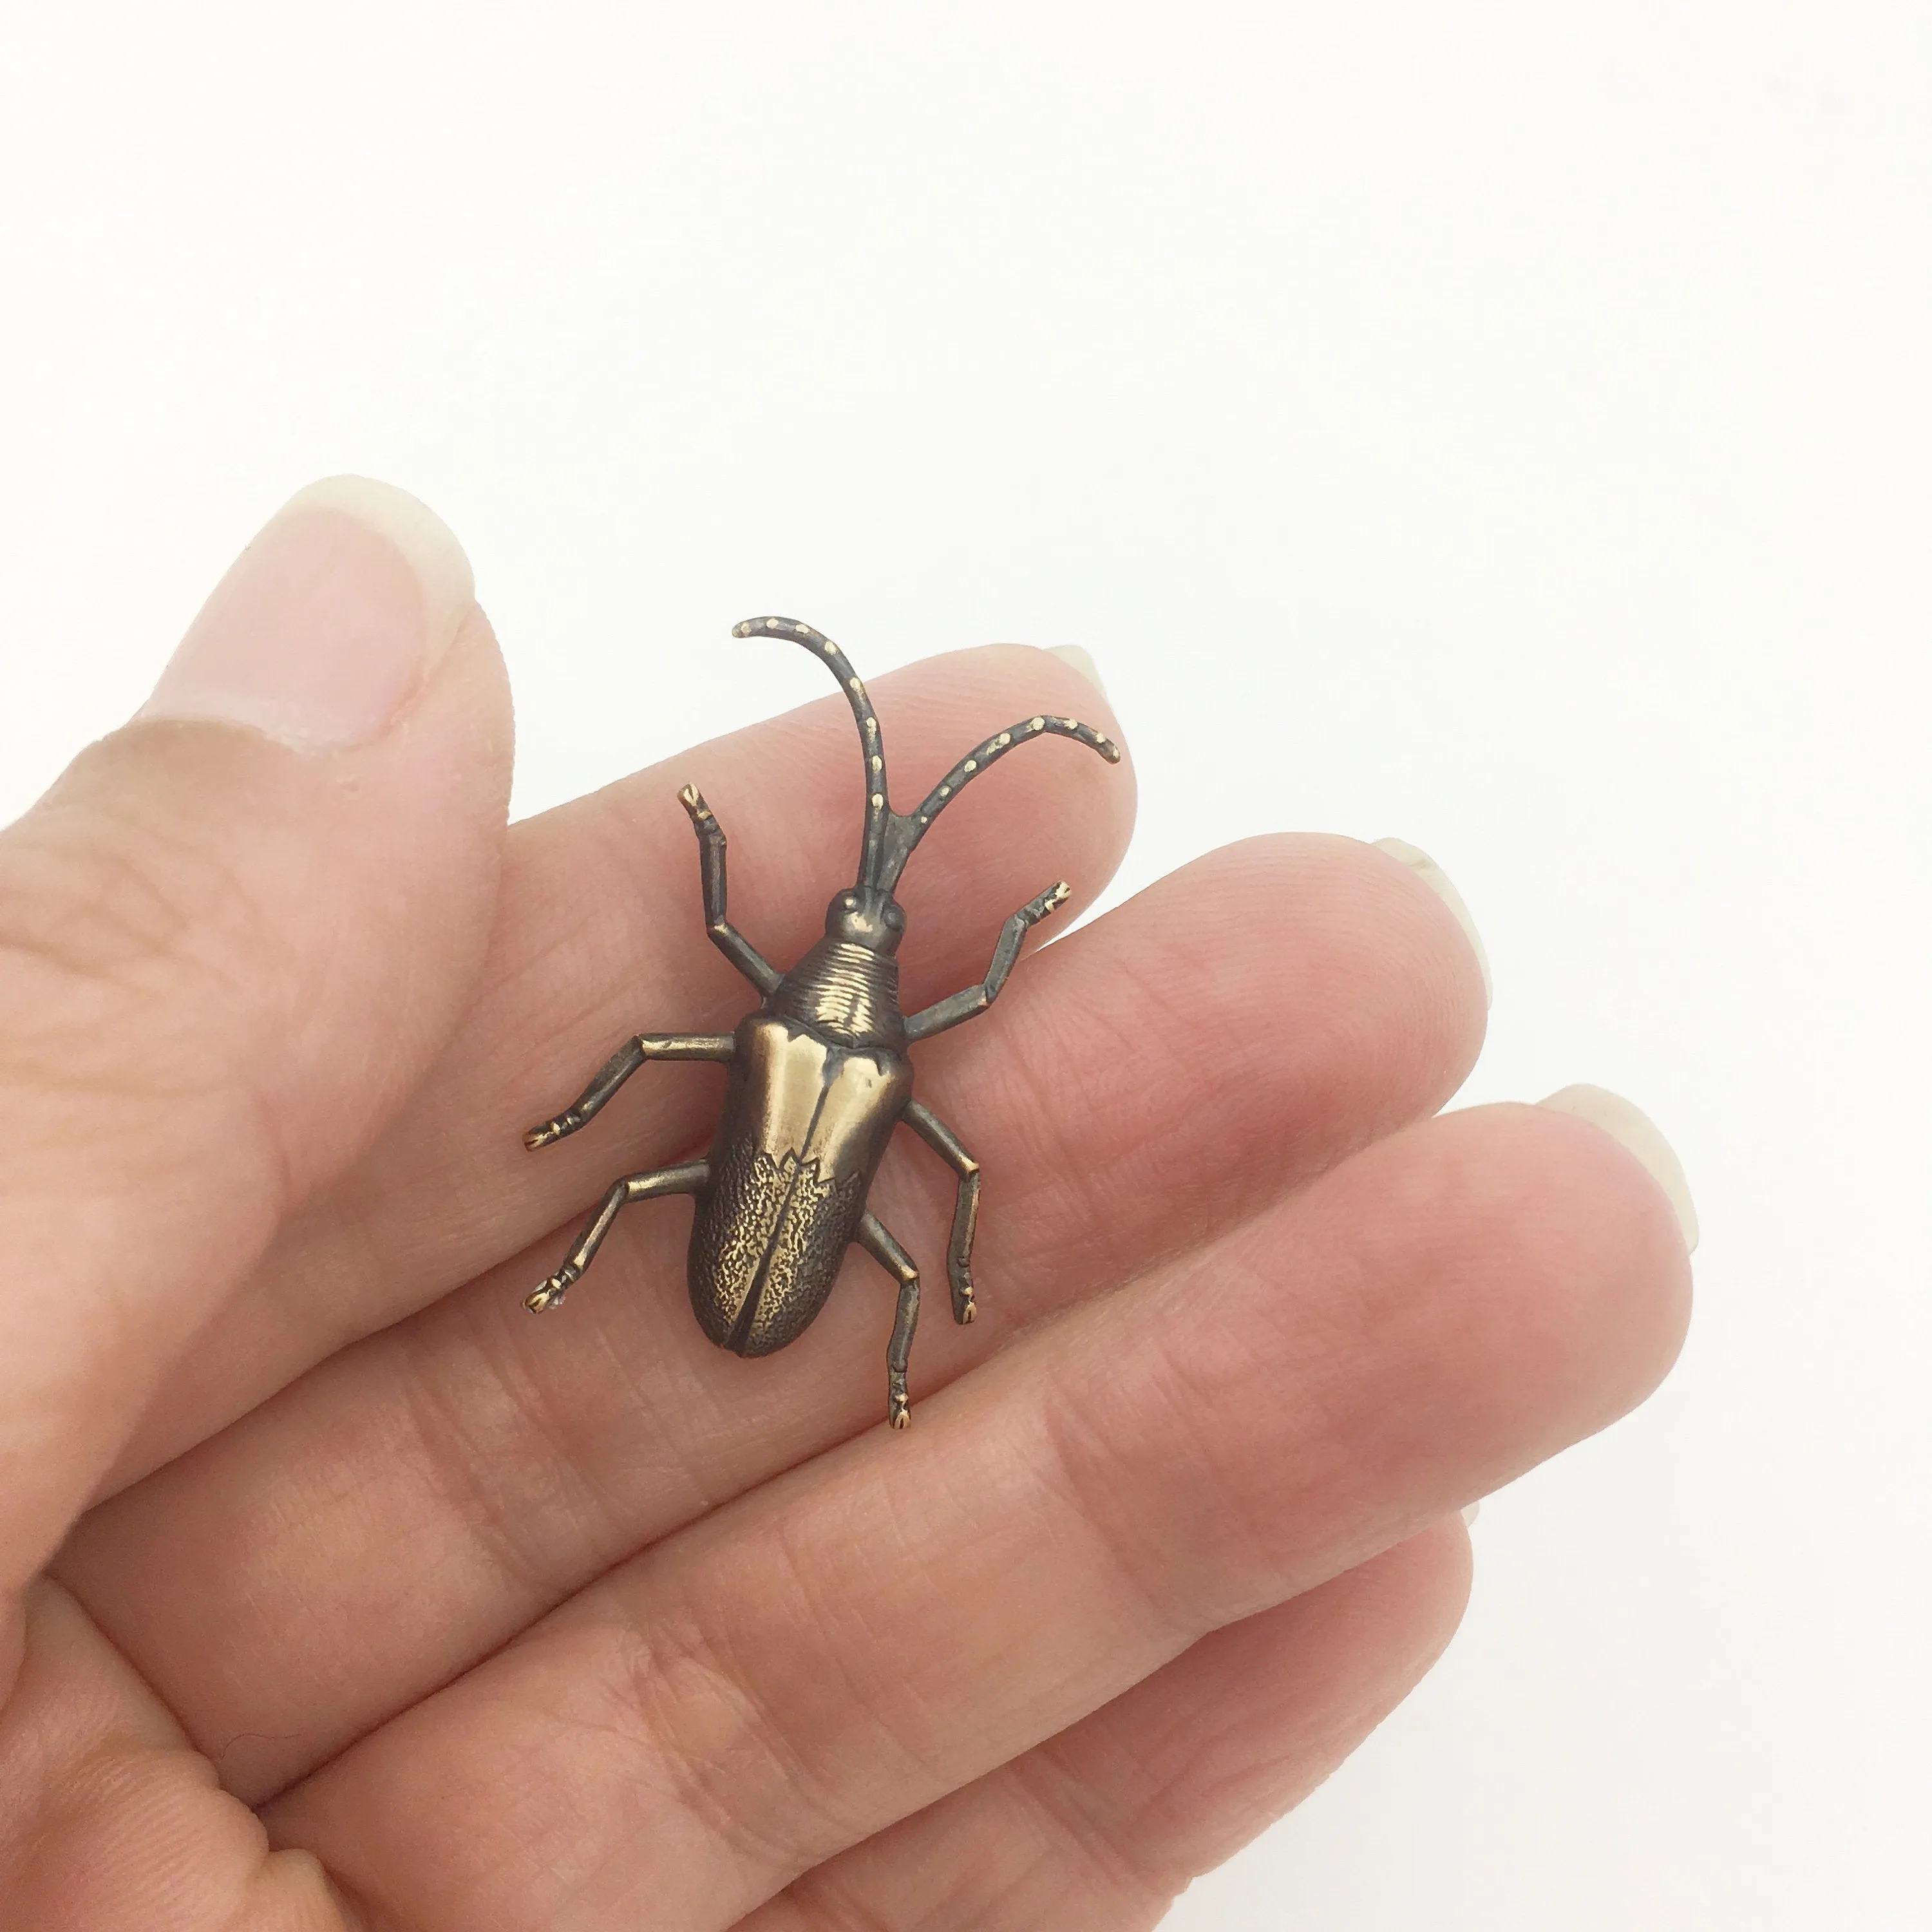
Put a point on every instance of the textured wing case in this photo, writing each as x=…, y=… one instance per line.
x=802, y=1134
x=767, y=1245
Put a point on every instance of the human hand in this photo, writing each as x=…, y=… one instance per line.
x=339, y=1592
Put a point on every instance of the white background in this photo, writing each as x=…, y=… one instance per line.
x=1503, y=426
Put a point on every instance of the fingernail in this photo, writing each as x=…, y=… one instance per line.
x=1439, y=882
x=327, y=623
x=1082, y=662
x=1470, y=1514
x=1633, y=1129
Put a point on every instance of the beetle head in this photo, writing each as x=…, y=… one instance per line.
x=867, y=916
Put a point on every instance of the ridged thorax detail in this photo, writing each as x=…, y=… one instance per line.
x=849, y=993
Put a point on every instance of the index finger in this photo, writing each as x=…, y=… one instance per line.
x=599, y=934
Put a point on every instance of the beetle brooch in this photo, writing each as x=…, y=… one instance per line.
x=818, y=1078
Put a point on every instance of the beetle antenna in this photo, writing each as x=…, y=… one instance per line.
x=890, y=835
x=878, y=813
x=904, y=830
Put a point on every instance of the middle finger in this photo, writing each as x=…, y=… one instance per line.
x=1311, y=986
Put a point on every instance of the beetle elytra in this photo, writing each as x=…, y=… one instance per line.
x=816, y=1077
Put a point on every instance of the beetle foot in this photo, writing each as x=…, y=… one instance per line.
x=553, y=1291
x=898, y=1411
x=965, y=1310
x=550, y=1130
x=1051, y=900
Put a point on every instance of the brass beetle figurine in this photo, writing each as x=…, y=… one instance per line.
x=818, y=1079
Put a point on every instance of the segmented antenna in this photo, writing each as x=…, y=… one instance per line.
x=890, y=835
x=871, y=741
x=906, y=829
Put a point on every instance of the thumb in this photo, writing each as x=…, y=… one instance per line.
x=231, y=937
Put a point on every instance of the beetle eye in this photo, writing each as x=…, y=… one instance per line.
x=894, y=917
x=849, y=903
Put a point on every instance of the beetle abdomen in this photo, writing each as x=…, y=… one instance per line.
x=765, y=1247
x=804, y=1123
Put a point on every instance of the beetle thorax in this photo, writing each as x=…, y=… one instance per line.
x=846, y=987
x=846, y=992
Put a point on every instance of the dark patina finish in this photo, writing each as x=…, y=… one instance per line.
x=818, y=1078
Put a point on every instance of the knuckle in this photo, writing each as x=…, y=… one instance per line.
x=1160, y=1547
x=1116, y=1856
x=104, y=918
x=710, y=1739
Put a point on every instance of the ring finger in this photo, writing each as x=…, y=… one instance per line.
x=502, y=1462
x=836, y=1650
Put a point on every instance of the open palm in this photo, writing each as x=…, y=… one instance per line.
x=344, y=1593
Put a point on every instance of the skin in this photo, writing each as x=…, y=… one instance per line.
x=339, y=1592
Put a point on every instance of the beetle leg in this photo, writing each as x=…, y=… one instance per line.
x=975, y=999
x=944, y=1142
x=896, y=1262
x=685, y=1180
x=726, y=937
x=620, y=1066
